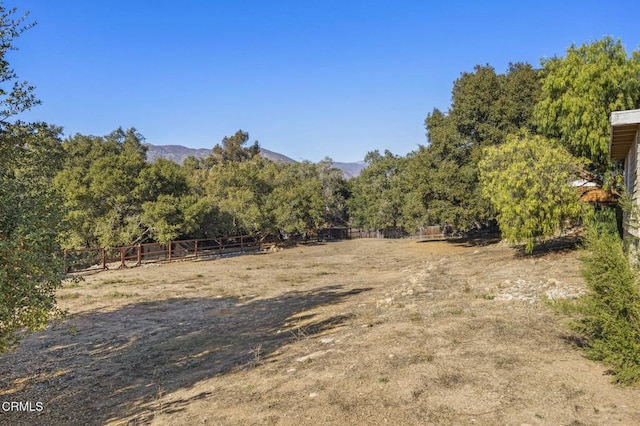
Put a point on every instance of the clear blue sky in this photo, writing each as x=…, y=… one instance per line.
x=306, y=78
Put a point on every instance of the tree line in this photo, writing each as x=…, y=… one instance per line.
x=505, y=150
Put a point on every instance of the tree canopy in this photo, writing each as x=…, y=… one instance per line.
x=30, y=217
x=580, y=91
x=528, y=181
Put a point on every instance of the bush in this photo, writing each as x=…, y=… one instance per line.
x=610, y=312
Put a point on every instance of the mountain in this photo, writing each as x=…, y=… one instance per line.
x=177, y=153
x=350, y=170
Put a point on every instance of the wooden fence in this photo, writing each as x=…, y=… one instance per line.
x=81, y=260
x=125, y=256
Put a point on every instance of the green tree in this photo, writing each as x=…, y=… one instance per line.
x=296, y=200
x=377, y=194
x=232, y=149
x=443, y=178
x=334, y=193
x=580, y=91
x=240, y=190
x=31, y=263
x=162, y=177
x=527, y=179
x=486, y=106
x=100, y=182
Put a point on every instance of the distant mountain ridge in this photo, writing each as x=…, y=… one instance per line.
x=178, y=153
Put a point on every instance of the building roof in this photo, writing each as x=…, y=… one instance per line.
x=624, y=126
x=590, y=194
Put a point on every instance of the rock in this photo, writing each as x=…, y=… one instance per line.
x=313, y=356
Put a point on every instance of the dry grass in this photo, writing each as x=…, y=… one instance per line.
x=355, y=332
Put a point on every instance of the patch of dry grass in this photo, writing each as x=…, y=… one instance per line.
x=354, y=332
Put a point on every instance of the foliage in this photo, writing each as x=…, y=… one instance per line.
x=31, y=262
x=378, y=193
x=296, y=201
x=99, y=182
x=443, y=177
x=610, y=312
x=232, y=149
x=241, y=189
x=580, y=91
x=486, y=106
x=527, y=179
x=334, y=191
x=20, y=96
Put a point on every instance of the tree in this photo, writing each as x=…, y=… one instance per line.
x=233, y=150
x=443, y=178
x=31, y=263
x=334, y=193
x=486, y=106
x=527, y=179
x=296, y=200
x=378, y=193
x=100, y=181
x=580, y=91
x=240, y=190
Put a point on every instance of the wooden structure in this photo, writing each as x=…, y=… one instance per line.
x=624, y=138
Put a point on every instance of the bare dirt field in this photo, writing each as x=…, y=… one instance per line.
x=367, y=332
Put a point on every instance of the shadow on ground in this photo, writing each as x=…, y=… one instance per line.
x=554, y=245
x=104, y=366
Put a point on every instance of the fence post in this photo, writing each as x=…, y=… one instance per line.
x=139, y=249
x=104, y=258
x=196, y=249
x=122, y=262
x=241, y=243
x=169, y=250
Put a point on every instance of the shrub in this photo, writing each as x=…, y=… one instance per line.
x=610, y=312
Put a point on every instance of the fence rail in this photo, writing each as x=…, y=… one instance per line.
x=82, y=260
x=121, y=257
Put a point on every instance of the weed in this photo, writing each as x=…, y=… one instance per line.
x=506, y=363
x=415, y=316
x=562, y=306
x=118, y=294
x=449, y=379
x=383, y=380
x=113, y=281
x=300, y=332
x=68, y=296
x=257, y=354
x=488, y=297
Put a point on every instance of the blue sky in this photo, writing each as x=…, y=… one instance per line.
x=306, y=78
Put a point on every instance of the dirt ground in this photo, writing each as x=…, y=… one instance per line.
x=367, y=332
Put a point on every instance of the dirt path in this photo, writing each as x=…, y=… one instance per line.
x=355, y=332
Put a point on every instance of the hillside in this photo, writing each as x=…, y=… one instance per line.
x=178, y=153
